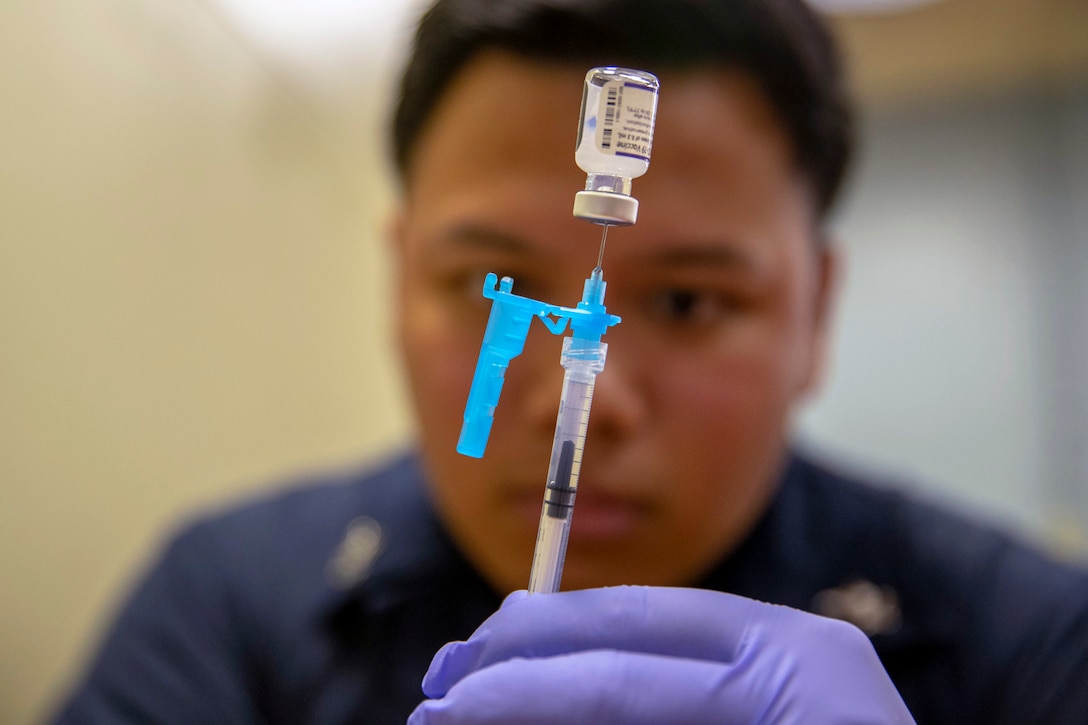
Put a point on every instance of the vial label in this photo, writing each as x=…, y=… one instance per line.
x=626, y=116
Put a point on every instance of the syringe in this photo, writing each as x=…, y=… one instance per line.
x=615, y=135
x=582, y=359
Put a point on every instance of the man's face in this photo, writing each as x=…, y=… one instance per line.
x=720, y=285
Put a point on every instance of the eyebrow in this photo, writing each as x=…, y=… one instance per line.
x=486, y=238
x=714, y=255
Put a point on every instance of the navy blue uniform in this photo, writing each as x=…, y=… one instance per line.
x=294, y=610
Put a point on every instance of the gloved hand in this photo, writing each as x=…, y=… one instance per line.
x=657, y=655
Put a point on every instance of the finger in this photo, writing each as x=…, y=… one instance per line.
x=690, y=623
x=598, y=686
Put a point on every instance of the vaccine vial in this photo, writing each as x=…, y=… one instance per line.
x=615, y=137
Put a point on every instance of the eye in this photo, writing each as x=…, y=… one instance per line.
x=465, y=285
x=462, y=284
x=680, y=304
x=689, y=308
x=472, y=283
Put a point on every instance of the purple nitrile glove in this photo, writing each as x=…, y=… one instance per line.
x=657, y=655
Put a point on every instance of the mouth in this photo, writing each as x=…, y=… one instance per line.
x=597, y=517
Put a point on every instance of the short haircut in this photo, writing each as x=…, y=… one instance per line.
x=782, y=45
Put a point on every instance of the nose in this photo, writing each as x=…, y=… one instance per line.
x=620, y=401
x=621, y=396
x=539, y=382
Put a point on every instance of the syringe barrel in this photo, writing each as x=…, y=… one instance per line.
x=583, y=360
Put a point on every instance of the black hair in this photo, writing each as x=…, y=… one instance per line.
x=782, y=45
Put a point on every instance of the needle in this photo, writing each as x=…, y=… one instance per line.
x=600, y=255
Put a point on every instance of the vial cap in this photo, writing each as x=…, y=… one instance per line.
x=602, y=207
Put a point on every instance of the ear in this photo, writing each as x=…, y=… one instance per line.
x=828, y=263
x=395, y=229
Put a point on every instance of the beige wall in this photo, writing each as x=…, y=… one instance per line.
x=192, y=296
x=192, y=282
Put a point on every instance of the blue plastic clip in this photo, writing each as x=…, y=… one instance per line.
x=504, y=339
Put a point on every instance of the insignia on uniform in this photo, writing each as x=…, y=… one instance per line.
x=871, y=608
x=351, y=561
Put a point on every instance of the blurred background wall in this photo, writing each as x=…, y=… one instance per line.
x=193, y=281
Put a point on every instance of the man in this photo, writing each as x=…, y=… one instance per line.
x=327, y=603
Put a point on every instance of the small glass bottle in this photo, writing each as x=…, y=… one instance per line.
x=615, y=137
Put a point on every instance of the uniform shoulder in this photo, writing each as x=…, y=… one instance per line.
x=293, y=530
x=238, y=594
x=989, y=621
x=315, y=501
x=946, y=543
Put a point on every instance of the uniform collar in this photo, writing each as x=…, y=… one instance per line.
x=821, y=533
